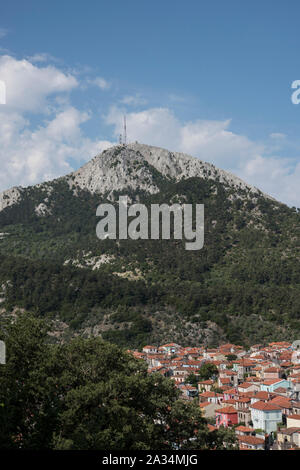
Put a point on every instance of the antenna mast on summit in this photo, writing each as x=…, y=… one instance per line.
x=125, y=131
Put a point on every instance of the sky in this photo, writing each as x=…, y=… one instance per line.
x=209, y=78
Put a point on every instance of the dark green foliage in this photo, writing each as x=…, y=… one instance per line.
x=89, y=394
x=208, y=371
x=246, y=279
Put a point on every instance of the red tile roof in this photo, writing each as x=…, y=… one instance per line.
x=294, y=417
x=261, y=405
x=252, y=440
x=244, y=429
x=271, y=381
x=262, y=395
x=283, y=402
x=226, y=410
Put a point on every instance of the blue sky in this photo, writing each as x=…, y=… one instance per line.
x=212, y=79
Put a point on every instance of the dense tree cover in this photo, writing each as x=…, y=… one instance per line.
x=89, y=394
x=206, y=372
x=245, y=278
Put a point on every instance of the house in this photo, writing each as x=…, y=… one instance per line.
x=226, y=416
x=227, y=377
x=272, y=373
x=251, y=443
x=150, y=349
x=209, y=409
x=271, y=384
x=248, y=387
x=260, y=396
x=243, y=367
x=284, y=403
x=295, y=407
x=180, y=374
x=265, y=416
x=212, y=397
x=243, y=431
x=188, y=391
x=293, y=421
x=205, y=385
x=170, y=348
x=244, y=415
x=288, y=438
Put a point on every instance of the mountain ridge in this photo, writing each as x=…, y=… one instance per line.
x=101, y=175
x=243, y=285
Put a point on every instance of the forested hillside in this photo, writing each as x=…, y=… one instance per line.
x=243, y=286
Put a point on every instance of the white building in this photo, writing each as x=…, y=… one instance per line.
x=265, y=416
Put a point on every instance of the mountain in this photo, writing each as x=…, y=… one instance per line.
x=242, y=286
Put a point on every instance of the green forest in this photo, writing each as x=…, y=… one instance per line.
x=244, y=283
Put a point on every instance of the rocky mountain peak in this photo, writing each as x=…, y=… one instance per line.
x=132, y=167
x=122, y=166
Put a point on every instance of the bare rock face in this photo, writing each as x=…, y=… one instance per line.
x=182, y=166
x=10, y=197
x=124, y=166
x=131, y=167
x=113, y=170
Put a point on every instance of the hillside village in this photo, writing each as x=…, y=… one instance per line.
x=254, y=392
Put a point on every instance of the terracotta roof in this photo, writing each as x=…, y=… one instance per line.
x=253, y=379
x=261, y=405
x=251, y=440
x=243, y=399
x=227, y=410
x=262, y=395
x=225, y=380
x=280, y=390
x=204, y=404
x=294, y=417
x=283, y=402
x=245, y=385
x=211, y=427
x=230, y=401
x=231, y=391
x=273, y=369
x=271, y=381
x=210, y=394
x=289, y=431
x=244, y=429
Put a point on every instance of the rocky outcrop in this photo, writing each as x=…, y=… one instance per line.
x=131, y=166
x=10, y=197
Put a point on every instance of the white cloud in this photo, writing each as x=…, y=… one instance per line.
x=31, y=153
x=157, y=126
x=211, y=141
x=278, y=177
x=42, y=57
x=100, y=82
x=133, y=100
x=277, y=135
x=28, y=87
x=53, y=143
x=28, y=157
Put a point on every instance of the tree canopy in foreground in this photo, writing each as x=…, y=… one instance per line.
x=90, y=394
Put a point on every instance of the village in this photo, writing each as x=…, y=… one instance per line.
x=255, y=392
